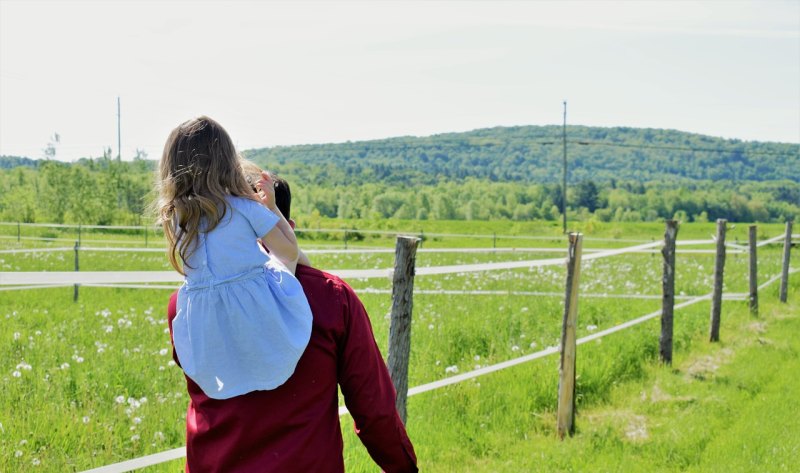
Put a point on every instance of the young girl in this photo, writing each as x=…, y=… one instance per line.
x=242, y=318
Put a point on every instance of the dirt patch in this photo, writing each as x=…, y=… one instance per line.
x=657, y=395
x=707, y=366
x=758, y=327
x=636, y=430
x=623, y=422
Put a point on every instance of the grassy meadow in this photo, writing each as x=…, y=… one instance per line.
x=91, y=382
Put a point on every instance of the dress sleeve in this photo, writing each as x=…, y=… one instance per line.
x=369, y=393
x=261, y=218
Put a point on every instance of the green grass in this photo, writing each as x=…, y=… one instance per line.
x=727, y=406
x=95, y=384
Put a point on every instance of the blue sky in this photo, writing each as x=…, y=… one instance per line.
x=277, y=73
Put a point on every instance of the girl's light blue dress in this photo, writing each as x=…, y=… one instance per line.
x=242, y=319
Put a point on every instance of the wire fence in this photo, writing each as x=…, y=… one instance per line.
x=163, y=280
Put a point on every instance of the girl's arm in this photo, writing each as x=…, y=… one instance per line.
x=280, y=240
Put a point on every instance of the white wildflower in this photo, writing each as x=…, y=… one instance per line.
x=451, y=369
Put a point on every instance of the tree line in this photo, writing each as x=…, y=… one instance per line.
x=512, y=173
x=105, y=192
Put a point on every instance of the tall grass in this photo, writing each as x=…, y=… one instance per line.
x=90, y=383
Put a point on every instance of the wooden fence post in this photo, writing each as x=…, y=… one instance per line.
x=668, y=291
x=77, y=268
x=566, y=371
x=400, y=324
x=145, y=236
x=719, y=269
x=18, y=233
x=787, y=247
x=753, y=237
x=345, y=238
x=79, y=235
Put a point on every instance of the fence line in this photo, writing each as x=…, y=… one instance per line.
x=355, y=251
x=36, y=286
x=100, y=277
x=366, y=274
x=35, y=250
x=19, y=278
x=6, y=237
x=445, y=292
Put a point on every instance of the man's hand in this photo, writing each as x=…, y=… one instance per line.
x=266, y=190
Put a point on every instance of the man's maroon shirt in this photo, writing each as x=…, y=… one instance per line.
x=295, y=427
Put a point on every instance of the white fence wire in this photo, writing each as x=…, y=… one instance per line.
x=129, y=279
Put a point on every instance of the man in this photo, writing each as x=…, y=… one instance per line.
x=295, y=427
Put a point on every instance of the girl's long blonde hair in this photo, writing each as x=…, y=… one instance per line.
x=198, y=169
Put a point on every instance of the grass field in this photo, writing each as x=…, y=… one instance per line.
x=90, y=383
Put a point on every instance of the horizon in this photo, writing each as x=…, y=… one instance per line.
x=318, y=73
x=156, y=158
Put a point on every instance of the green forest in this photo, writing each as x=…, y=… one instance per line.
x=512, y=173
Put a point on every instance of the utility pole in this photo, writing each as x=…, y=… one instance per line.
x=119, y=155
x=564, y=180
x=119, y=132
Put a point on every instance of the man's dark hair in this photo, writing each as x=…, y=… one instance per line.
x=283, y=196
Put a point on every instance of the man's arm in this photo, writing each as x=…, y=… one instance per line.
x=369, y=393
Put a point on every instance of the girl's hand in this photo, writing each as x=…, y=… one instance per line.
x=266, y=190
